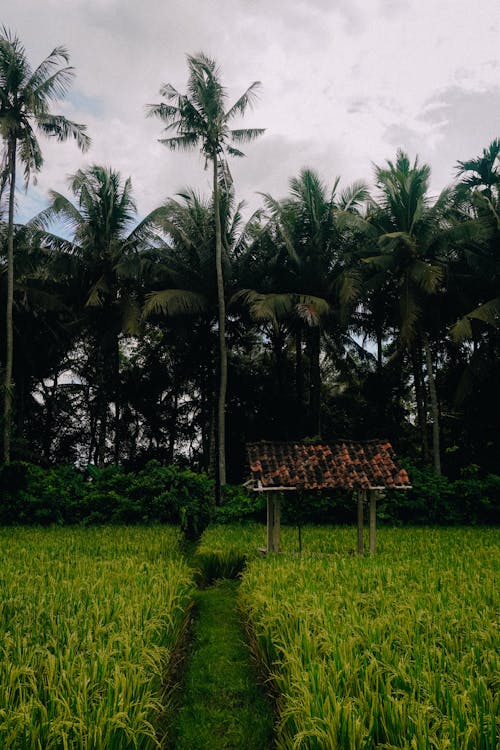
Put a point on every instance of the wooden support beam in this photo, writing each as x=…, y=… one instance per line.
x=373, y=520
x=270, y=509
x=361, y=501
x=277, y=523
x=273, y=522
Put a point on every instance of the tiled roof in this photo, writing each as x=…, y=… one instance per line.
x=343, y=464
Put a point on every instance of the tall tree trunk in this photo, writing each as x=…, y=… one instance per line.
x=9, y=332
x=434, y=405
x=115, y=385
x=221, y=304
x=420, y=401
x=50, y=401
x=379, y=352
x=172, y=436
x=299, y=380
x=315, y=383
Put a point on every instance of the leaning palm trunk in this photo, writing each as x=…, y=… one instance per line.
x=9, y=332
x=221, y=305
x=434, y=405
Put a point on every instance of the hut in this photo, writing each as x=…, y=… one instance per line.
x=365, y=467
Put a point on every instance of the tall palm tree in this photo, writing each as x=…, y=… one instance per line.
x=411, y=236
x=480, y=186
x=482, y=172
x=200, y=119
x=25, y=96
x=185, y=279
x=105, y=256
x=308, y=272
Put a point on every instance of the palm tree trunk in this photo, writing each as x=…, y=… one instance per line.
x=115, y=385
x=221, y=304
x=434, y=405
x=420, y=402
x=315, y=383
x=299, y=377
x=9, y=333
x=379, y=336
x=173, y=427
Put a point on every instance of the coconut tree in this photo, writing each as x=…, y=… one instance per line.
x=412, y=235
x=104, y=262
x=185, y=282
x=480, y=186
x=25, y=97
x=200, y=119
x=483, y=172
x=307, y=272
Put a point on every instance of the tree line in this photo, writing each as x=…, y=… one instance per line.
x=332, y=312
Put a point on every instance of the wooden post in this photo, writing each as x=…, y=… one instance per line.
x=273, y=522
x=270, y=509
x=361, y=499
x=373, y=520
x=277, y=523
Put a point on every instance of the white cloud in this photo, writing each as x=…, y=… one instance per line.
x=344, y=84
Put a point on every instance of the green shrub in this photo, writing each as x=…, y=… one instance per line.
x=241, y=505
x=157, y=494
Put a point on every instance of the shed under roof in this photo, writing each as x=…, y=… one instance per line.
x=342, y=464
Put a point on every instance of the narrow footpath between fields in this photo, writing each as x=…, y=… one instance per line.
x=221, y=704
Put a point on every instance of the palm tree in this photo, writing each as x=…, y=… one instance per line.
x=25, y=96
x=480, y=187
x=105, y=256
x=308, y=272
x=412, y=234
x=482, y=173
x=186, y=283
x=200, y=119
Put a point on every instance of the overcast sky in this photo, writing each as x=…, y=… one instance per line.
x=345, y=83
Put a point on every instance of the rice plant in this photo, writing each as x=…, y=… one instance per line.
x=395, y=651
x=88, y=622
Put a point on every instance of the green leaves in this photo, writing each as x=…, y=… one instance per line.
x=174, y=302
x=25, y=95
x=199, y=117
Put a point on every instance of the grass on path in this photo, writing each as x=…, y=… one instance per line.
x=222, y=705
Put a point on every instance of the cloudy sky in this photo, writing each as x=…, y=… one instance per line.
x=344, y=84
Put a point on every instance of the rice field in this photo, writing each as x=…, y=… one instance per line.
x=396, y=651
x=88, y=622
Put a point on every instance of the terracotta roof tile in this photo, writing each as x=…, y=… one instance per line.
x=343, y=464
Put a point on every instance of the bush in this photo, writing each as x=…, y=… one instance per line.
x=157, y=494
x=241, y=505
x=170, y=494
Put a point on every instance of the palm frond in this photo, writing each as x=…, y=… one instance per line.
x=246, y=100
x=181, y=142
x=166, y=112
x=63, y=129
x=353, y=196
x=97, y=293
x=131, y=315
x=245, y=135
x=488, y=313
x=426, y=275
x=311, y=309
x=174, y=302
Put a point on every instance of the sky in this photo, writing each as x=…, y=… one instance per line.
x=345, y=83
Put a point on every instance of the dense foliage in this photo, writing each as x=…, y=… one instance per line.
x=63, y=495
x=168, y=494
x=349, y=313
